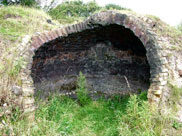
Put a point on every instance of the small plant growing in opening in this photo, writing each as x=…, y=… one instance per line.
x=82, y=92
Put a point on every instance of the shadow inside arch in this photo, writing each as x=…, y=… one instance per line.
x=111, y=57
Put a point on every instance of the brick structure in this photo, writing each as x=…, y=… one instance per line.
x=101, y=31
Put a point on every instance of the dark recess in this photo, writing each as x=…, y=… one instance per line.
x=104, y=54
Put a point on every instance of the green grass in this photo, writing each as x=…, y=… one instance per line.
x=117, y=116
x=175, y=96
x=114, y=116
x=17, y=21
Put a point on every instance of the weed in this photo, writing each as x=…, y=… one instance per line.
x=175, y=96
x=82, y=92
x=177, y=125
x=15, y=70
x=176, y=93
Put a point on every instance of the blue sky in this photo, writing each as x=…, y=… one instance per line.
x=169, y=11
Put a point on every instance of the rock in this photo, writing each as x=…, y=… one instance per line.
x=180, y=73
x=17, y=90
x=49, y=21
x=5, y=104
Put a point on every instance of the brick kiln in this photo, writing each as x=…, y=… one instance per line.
x=117, y=52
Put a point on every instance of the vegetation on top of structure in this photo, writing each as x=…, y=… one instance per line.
x=71, y=11
x=170, y=33
x=18, y=21
x=114, y=6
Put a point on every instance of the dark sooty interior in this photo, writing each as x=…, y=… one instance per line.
x=111, y=57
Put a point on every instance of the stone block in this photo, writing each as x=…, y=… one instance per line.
x=163, y=82
x=28, y=91
x=28, y=101
x=29, y=109
x=158, y=92
x=17, y=90
x=159, y=87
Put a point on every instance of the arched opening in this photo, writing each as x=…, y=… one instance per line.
x=111, y=57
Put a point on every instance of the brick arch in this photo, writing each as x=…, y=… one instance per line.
x=153, y=51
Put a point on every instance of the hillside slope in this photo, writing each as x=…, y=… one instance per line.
x=15, y=23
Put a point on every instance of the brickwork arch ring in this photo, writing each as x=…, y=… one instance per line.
x=137, y=26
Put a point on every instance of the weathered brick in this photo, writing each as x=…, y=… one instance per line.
x=59, y=33
x=64, y=32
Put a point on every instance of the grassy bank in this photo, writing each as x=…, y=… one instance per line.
x=115, y=116
x=124, y=116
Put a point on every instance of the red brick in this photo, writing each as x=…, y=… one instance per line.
x=36, y=39
x=35, y=45
x=67, y=30
x=43, y=38
x=144, y=38
x=59, y=32
x=47, y=36
x=79, y=27
x=64, y=32
x=41, y=41
x=50, y=35
x=56, y=34
x=138, y=32
x=72, y=28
